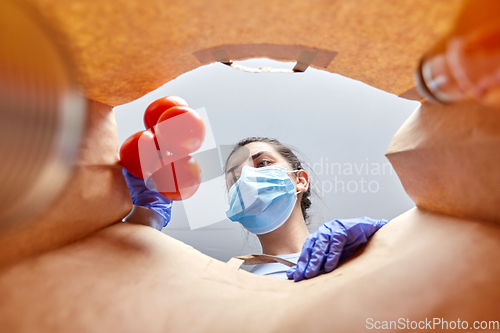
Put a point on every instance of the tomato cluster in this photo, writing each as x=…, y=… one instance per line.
x=173, y=131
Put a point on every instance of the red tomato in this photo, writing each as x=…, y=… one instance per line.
x=155, y=109
x=178, y=180
x=180, y=130
x=138, y=154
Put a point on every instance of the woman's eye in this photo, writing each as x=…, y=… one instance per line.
x=263, y=163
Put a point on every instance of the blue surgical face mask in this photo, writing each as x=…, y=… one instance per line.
x=262, y=199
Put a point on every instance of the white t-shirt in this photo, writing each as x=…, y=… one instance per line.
x=276, y=269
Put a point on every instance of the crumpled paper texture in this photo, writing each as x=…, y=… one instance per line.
x=125, y=49
x=448, y=159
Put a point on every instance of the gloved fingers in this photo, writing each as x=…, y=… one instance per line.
x=360, y=229
x=131, y=179
x=336, y=247
x=135, y=185
x=291, y=272
x=148, y=198
x=305, y=255
x=319, y=252
x=163, y=209
x=125, y=173
x=369, y=225
x=381, y=223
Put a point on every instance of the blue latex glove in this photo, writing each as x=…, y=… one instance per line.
x=332, y=242
x=142, y=196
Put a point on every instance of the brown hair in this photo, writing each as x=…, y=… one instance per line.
x=288, y=155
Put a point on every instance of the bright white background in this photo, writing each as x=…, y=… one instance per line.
x=340, y=127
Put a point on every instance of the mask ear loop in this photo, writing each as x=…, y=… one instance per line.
x=296, y=193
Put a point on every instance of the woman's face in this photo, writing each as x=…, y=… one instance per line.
x=255, y=154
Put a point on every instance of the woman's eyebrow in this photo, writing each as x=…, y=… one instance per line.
x=257, y=154
x=254, y=157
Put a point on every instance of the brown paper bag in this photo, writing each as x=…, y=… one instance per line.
x=95, y=197
x=123, y=50
x=131, y=278
x=448, y=159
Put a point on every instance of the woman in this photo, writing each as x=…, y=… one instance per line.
x=269, y=195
